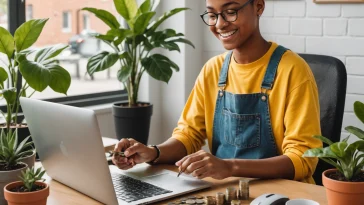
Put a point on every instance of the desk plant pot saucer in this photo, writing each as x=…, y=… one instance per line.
x=38, y=197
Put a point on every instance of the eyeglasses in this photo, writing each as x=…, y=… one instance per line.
x=229, y=15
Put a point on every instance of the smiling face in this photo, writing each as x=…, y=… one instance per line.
x=234, y=35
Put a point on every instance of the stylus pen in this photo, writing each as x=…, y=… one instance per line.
x=179, y=173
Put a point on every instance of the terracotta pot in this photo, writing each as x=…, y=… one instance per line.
x=339, y=192
x=28, y=198
x=5, y=178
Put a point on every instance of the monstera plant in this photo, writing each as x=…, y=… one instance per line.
x=345, y=184
x=133, y=47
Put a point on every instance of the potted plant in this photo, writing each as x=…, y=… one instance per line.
x=133, y=48
x=30, y=190
x=345, y=184
x=10, y=156
x=38, y=72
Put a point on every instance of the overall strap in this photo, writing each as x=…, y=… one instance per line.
x=272, y=67
x=224, y=70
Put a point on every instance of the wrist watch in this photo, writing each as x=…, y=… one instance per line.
x=155, y=160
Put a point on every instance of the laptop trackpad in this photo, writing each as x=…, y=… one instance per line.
x=167, y=180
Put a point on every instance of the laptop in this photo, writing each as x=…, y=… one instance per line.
x=69, y=144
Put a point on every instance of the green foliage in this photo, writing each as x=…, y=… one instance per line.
x=38, y=73
x=30, y=176
x=347, y=158
x=132, y=45
x=10, y=151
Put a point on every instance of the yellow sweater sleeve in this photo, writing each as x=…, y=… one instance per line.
x=301, y=121
x=191, y=127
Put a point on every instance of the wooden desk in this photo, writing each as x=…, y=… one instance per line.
x=63, y=195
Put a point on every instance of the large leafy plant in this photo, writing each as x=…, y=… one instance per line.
x=30, y=176
x=38, y=72
x=347, y=158
x=132, y=46
x=10, y=151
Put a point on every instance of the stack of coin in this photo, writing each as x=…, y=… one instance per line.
x=220, y=198
x=230, y=194
x=235, y=202
x=209, y=200
x=243, y=189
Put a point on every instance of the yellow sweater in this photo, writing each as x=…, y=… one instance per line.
x=293, y=104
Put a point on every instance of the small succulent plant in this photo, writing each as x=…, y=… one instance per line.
x=30, y=176
x=10, y=151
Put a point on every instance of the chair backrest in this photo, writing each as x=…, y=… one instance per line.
x=330, y=76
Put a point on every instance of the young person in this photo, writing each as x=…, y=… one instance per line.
x=257, y=105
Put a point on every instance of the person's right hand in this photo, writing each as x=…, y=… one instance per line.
x=135, y=153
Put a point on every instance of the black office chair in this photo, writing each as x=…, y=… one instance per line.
x=330, y=76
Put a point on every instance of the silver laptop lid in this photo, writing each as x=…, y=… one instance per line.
x=69, y=144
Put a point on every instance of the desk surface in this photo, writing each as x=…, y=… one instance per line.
x=63, y=195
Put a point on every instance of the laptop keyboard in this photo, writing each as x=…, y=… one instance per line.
x=129, y=189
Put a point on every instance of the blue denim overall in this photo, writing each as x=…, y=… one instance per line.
x=242, y=126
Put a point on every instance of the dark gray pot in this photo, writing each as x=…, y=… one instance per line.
x=132, y=122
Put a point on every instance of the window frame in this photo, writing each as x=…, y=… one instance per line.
x=16, y=16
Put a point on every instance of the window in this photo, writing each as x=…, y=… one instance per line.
x=103, y=87
x=66, y=19
x=81, y=44
x=86, y=22
x=29, y=12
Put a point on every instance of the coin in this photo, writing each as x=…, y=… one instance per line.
x=200, y=201
x=190, y=201
x=199, y=197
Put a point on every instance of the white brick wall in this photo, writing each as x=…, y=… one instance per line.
x=306, y=27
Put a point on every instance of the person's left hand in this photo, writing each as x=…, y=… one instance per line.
x=202, y=164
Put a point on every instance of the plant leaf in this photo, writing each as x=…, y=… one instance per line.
x=49, y=52
x=6, y=42
x=36, y=75
x=158, y=66
x=101, y=62
x=3, y=76
x=323, y=139
x=339, y=148
x=124, y=73
x=9, y=95
x=145, y=7
x=142, y=22
x=183, y=40
x=126, y=8
x=166, y=15
x=60, y=79
x=359, y=110
x=356, y=131
x=104, y=16
x=27, y=34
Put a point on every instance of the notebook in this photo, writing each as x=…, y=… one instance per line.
x=69, y=144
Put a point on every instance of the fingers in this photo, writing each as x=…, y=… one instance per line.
x=122, y=145
x=202, y=172
x=193, y=162
x=136, y=147
x=180, y=162
x=123, y=163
